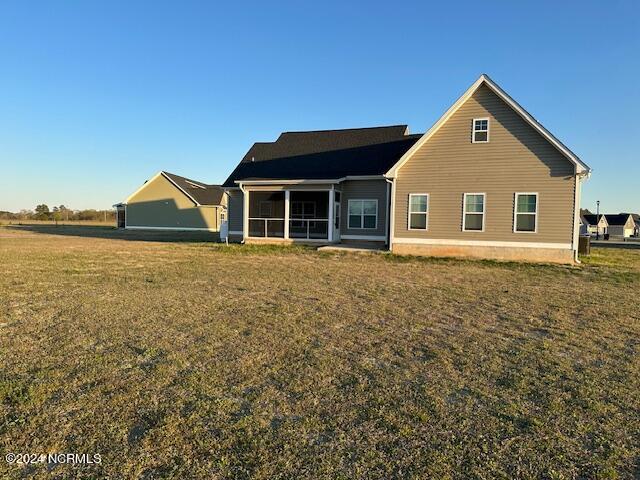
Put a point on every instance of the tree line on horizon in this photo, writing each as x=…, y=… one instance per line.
x=59, y=213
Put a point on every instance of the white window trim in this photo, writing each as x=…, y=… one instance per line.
x=464, y=211
x=409, y=212
x=515, y=211
x=362, y=214
x=473, y=130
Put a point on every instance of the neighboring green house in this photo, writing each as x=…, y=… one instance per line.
x=171, y=202
x=487, y=180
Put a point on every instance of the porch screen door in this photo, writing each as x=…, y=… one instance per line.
x=336, y=222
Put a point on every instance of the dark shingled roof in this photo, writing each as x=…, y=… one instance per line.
x=326, y=154
x=591, y=218
x=201, y=192
x=619, y=219
x=636, y=217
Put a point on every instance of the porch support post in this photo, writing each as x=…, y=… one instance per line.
x=245, y=213
x=331, y=211
x=287, y=194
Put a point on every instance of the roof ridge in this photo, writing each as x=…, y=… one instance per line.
x=344, y=129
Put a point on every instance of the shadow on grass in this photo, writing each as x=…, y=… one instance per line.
x=113, y=233
x=210, y=240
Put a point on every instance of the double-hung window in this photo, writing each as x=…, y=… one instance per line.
x=418, y=211
x=363, y=214
x=480, y=130
x=473, y=212
x=526, y=213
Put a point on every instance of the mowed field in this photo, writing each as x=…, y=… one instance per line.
x=193, y=360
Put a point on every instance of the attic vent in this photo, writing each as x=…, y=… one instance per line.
x=253, y=159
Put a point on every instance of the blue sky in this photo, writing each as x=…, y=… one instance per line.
x=95, y=97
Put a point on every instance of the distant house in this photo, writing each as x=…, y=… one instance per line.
x=595, y=224
x=171, y=202
x=621, y=225
x=636, y=222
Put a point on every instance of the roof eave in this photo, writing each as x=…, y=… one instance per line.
x=288, y=181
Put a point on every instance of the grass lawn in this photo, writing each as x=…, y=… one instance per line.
x=196, y=360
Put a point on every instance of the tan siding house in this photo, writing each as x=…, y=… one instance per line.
x=487, y=180
x=515, y=159
x=171, y=202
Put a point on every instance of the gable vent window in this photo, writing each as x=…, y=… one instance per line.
x=480, y=130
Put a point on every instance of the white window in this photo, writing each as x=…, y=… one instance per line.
x=526, y=213
x=418, y=211
x=266, y=209
x=363, y=214
x=480, y=130
x=473, y=212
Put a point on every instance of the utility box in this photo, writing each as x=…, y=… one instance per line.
x=584, y=245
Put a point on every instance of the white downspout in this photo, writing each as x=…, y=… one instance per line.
x=576, y=214
x=330, y=220
x=391, y=185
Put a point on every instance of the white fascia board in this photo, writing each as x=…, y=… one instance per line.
x=581, y=167
x=287, y=182
x=363, y=177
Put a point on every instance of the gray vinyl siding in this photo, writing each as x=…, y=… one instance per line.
x=235, y=210
x=160, y=204
x=516, y=159
x=364, y=190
